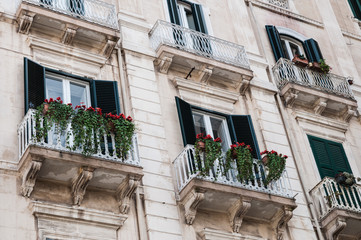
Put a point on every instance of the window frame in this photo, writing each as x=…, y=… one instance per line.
x=287, y=40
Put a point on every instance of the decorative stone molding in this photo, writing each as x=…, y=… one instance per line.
x=290, y=97
x=238, y=211
x=335, y=229
x=80, y=183
x=206, y=73
x=244, y=86
x=25, y=23
x=68, y=36
x=320, y=106
x=164, y=62
x=351, y=35
x=284, y=12
x=348, y=113
x=191, y=203
x=212, y=234
x=108, y=48
x=29, y=178
x=125, y=192
x=281, y=219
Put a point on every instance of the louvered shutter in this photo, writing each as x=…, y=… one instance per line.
x=34, y=84
x=312, y=50
x=275, y=40
x=173, y=12
x=356, y=8
x=338, y=156
x=241, y=130
x=186, y=121
x=105, y=96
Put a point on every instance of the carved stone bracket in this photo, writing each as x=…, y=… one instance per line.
x=29, y=178
x=238, y=211
x=348, y=113
x=320, y=106
x=125, y=192
x=244, y=86
x=335, y=229
x=80, y=183
x=25, y=23
x=68, y=36
x=290, y=97
x=164, y=62
x=206, y=73
x=108, y=48
x=191, y=203
x=281, y=219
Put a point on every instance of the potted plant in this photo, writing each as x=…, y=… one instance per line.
x=207, y=151
x=320, y=66
x=123, y=129
x=345, y=179
x=275, y=165
x=240, y=155
x=300, y=60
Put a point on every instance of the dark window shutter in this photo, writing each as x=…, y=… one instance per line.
x=186, y=121
x=241, y=128
x=356, y=8
x=275, y=40
x=199, y=18
x=330, y=157
x=312, y=50
x=173, y=12
x=34, y=84
x=105, y=96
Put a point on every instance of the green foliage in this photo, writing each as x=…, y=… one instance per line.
x=324, y=67
x=210, y=153
x=275, y=165
x=240, y=154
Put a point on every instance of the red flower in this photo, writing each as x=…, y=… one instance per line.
x=61, y=101
x=285, y=156
x=122, y=115
x=218, y=139
x=233, y=146
x=129, y=118
x=69, y=104
x=208, y=137
x=242, y=144
x=46, y=100
x=58, y=98
x=51, y=100
x=199, y=135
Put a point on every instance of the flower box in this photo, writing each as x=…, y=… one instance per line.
x=301, y=62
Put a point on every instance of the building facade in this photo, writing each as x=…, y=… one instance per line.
x=252, y=71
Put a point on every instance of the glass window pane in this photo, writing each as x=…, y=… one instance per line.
x=190, y=20
x=199, y=123
x=54, y=88
x=294, y=49
x=78, y=94
x=283, y=43
x=219, y=131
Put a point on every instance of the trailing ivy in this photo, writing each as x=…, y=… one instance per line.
x=275, y=164
x=240, y=155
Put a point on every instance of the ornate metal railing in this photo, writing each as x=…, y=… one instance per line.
x=105, y=143
x=186, y=169
x=91, y=10
x=328, y=195
x=286, y=71
x=279, y=3
x=165, y=33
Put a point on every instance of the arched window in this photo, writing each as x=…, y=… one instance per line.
x=291, y=47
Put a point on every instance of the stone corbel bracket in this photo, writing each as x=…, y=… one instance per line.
x=281, y=219
x=80, y=183
x=68, y=35
x=125, y=192
x=108, y=48
x=335, y=229
x=163, y=62
x=25, y=22
x=348, y=113
x=237, y=213
x=29, y=178
x=191, y=203
x=320, y=106
x=205, y=74
x=244, y=85
x=290, y=97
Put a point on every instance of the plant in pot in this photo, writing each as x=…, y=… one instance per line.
x=240, y=155
x=300, y=60
x=87, y=129
x=123, y=129
x=207, y=151
x=275, y=165
x=52, y=113
x=345, y=179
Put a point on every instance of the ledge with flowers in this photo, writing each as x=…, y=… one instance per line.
x=83, y=129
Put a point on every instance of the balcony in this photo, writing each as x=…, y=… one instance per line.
x=53, y=160
x=227, y=194
x=279, y=3
x=211, y=58
x=324, y=94
x=73, y=22
x=338, y=209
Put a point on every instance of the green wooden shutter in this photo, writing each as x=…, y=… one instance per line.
x=312, y=50
x=173, y=12
x=330, y=157
x=34, y=84
x=199, y=20
x=105, y=96
x=355, y=8
x=186, y=121
x=241, y=130
x=275, y=40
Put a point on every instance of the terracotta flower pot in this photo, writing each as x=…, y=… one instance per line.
x=45, y=108
x=265, y=160
x=201, y=146
x=300, y=62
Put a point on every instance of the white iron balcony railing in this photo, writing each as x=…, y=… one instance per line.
x=286, y=71
x=279, y=3
x=106, y=148
x=165, y=33
x=91, y=10
x=328, y=195
x=186, y=169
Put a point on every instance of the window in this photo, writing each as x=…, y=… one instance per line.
x=330, y=157
x=230, y=128
x=41, y=83
x=356, y=8
x=286, y=47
